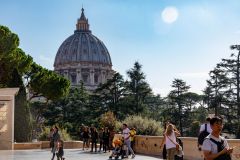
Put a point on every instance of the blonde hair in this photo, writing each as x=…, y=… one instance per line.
x=169, y=130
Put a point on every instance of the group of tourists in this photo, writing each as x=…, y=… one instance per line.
x=210, y=142
x=103, y=136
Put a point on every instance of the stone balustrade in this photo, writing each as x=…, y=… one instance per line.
x=148, y=145
x=45, y=145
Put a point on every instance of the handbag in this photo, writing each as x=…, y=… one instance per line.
x=179, y=150
x=177, y=146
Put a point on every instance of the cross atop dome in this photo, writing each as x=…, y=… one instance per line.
x=83, y=16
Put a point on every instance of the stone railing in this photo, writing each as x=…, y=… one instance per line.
x=148, y=145
x=45, y=144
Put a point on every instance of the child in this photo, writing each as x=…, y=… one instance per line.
x=60, y=152
x=116, y=152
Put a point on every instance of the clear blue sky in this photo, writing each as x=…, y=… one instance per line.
x=184, y=41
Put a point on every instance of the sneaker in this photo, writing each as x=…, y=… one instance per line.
x=133, y=156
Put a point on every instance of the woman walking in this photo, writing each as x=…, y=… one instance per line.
x=170, y=141
x=164, y=151
x=56, y=138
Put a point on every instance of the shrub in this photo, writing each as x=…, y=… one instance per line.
x=64, y=135
x=108, y=119
x=194, y=129
x=143, y=125
x=62, y=132
x=44, y=135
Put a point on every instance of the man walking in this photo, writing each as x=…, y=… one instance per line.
x=127, y=142
x=205, y=130
x=215, y=147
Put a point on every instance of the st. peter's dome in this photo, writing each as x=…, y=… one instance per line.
x=83, y=57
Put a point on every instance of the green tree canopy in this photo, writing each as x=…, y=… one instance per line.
x=137, y=87
x=18, y=70
x=47, y=83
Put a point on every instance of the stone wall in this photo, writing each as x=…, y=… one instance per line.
x=150, y=145
x=45, y=145
x=7, y=117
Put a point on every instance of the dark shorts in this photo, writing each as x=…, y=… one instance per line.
x=85, y=140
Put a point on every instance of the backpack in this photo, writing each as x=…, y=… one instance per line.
x=220, y=146
x=203, y=135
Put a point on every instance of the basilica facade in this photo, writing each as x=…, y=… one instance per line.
x=83, y=57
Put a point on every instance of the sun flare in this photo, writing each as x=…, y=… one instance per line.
x=169, y=14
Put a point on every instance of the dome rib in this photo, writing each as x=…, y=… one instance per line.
x=90, y=56
x=82, y=46
x=79, y=48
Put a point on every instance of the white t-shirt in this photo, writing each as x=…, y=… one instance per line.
x=209, y=145
x=126, y=133
x=202, y=128
x=169, y=143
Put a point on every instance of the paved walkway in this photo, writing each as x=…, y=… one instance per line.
x=70, y=154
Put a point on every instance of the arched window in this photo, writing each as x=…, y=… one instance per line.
x=96, y=79
x=73, y=79
x=85, y=78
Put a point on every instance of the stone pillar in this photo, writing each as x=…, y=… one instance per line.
x=7, y=97
x=79, y=76
x=102, y=76
x=91, y=76
x=66, y=74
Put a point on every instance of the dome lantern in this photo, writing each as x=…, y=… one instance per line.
x=82, y=23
